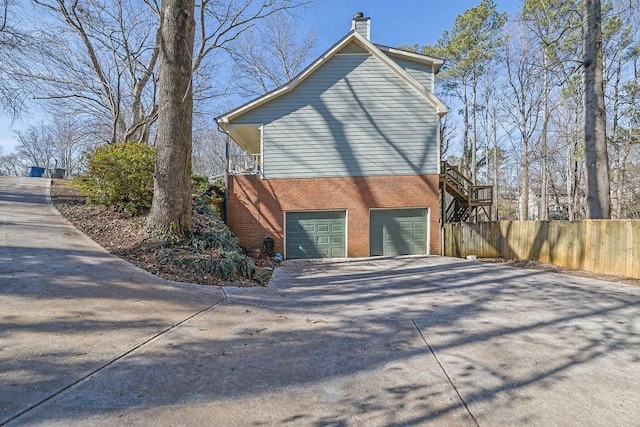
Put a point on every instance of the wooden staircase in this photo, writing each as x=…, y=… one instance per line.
x=466, y=202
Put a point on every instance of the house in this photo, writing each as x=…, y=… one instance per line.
x=346, y=155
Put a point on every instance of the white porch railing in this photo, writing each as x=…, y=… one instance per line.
x=244, y=164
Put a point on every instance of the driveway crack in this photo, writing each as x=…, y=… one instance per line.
x=112, y=361
x=445, y=373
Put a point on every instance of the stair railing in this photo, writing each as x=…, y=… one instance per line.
x=467, y=196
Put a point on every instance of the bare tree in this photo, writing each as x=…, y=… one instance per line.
x=568, y=121
x=71, y=137
x=210, y=151
x=35, y=146
x=523, y=91
x=13, y=44
x=10, y=165
x=542, y=107
x=58, y=144
x=99, y=58
x=620, y=58
x=550, y=21
x=489, y=125
x=209, y=145
x=270, y=56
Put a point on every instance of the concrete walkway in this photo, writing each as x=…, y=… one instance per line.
x=87, y=339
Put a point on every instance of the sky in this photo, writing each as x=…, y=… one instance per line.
x=393, y=23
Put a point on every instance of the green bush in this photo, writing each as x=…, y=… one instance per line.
x=120, y=176
x=210, y=249
x=200, y=186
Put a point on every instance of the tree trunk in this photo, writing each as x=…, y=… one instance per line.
x=494, y=202
x=598, y=197
x=617, y=145
x=573, y=171
x=569, y=182
x=524, y=197
x=616, y=211
x=474, y=130
x=544, y=181
x=464, y=163
x=487, y=138
x=171, y=206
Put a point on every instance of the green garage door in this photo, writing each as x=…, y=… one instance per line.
x=316, y=234
x=398, y=232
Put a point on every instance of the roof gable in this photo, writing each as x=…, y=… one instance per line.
x=352, y=43
x=352, y=48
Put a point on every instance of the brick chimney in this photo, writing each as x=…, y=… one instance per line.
x=362, y=25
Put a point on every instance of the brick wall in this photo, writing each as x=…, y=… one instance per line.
x=256, y=205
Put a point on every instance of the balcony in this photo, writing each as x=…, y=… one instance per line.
x=244, y=164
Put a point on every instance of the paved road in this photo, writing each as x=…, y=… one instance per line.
x=87, y=339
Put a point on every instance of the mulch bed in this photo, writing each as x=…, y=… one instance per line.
x=125, y=236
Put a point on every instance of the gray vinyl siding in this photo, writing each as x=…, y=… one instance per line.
x=421, y=72
x=352, y=117
x=362, y=27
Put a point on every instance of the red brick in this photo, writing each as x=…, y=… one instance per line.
x=256, y=206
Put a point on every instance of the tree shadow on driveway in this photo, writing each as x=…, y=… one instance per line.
x=403, y=341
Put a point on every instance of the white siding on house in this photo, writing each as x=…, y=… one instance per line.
x=351, y=117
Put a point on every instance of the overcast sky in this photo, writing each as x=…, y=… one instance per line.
x=393, y=23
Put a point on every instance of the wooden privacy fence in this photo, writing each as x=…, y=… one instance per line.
x=601, y=246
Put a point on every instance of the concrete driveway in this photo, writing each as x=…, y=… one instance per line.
x=87, y=339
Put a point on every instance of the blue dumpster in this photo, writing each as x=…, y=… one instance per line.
x=35, y=172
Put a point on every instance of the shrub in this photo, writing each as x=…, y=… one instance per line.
x=200, y=186
x=210, y=250
x=218, y=188
x=208, y=194
x=120, y=176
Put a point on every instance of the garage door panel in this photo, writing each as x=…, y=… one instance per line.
x=315, y=234
x=407, y=225
x=337, y=253
x=398, y=231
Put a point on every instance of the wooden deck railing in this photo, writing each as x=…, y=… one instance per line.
x=463, y=187
x=482, y=194
x=467, y=197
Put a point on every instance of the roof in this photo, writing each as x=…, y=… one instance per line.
x=436, y=63
x=381, y=52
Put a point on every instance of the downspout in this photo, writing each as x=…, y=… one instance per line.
x=441, y=189
x=227, y=164
x=226, y=178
